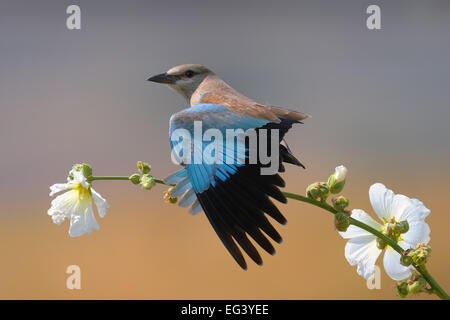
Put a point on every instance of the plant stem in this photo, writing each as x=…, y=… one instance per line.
x=162, y=182
x=377, y=233
x=434, y=285
x=322, y=205
x=120, y=178
x=107, y=178
x=421, y=268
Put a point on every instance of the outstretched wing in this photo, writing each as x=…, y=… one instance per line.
x=233, y=194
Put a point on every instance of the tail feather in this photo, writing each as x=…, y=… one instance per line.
x=287, y=113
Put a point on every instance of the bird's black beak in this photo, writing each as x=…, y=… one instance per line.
x=163, y=78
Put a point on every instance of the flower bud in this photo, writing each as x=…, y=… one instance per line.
x=381, y=244
x=143, y=167
x=420, y=254
x=166, y=194
x=318, y=190
x=390, y=230
x=312, y=191
x=147, y=181
x=336, y=181
x=401, y=227
x=168, y=198
x=341, y=221
x=172, y=200
x=340, y=203
x=416, y=286
x=406, y=259
x=135, y=178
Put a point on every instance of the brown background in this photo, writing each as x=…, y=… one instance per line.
x=380, y=106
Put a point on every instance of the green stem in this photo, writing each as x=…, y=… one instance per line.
x=120, y=178
x=107, y=178
x=377, y=233
x=421, y=268
x=162, y=182
x=322, y=205
x=433, y=284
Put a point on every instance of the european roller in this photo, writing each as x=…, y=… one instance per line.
x=234, y=195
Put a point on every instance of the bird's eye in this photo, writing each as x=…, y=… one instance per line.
x=189, y=73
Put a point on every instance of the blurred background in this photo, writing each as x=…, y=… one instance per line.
x=380, y=106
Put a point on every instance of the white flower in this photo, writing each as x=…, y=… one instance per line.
x=362, y=249
x=76, y=204
x=340, y=173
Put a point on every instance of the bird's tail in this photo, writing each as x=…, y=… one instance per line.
x=285, y=113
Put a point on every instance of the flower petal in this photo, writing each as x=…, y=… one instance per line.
x=363, y=251
x=57, y=187
x=393, y=267
x=100, y=202
x=340, y=173
x=64, y=203
x=82, y=220
x=381, y=199
x=416, y=211
x=354, y=231
x=400, y=204
x=420, y=208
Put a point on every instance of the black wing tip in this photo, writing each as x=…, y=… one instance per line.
x=240, y=262
x=277, y=216
x=237, y=205
x=259, y=264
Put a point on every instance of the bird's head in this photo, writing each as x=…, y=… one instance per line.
x=184, y=78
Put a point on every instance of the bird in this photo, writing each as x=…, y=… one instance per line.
x=236, y=198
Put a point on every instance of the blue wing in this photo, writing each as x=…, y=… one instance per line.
x=232, y=193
